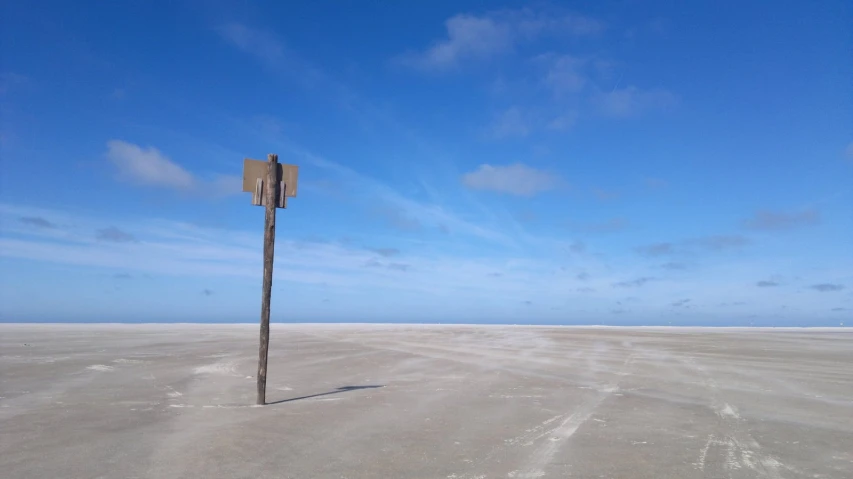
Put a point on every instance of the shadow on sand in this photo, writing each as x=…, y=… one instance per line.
x=336, y=391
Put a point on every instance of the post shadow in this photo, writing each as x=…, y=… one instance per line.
x=339, y=390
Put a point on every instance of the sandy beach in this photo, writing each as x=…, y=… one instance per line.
x=412, y=401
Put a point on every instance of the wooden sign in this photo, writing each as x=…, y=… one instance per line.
x=270, y=184
x=253, y=170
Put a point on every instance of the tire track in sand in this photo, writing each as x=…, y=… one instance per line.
x=730, y=450
x=552, y=440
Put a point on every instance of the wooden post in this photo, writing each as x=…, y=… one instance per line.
x=269, y=246
x=270, y=184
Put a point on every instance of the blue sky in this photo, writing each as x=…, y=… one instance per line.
x=617, y=162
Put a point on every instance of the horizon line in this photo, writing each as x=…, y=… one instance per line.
x=115, y=323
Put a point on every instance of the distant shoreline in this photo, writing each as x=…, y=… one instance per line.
x=123, y=325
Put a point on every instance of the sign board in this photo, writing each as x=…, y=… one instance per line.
x=254, y=169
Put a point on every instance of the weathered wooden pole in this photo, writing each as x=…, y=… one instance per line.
x=269, y=190
x=270, y=184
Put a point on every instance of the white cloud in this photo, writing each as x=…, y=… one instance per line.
x=509, y=123
x=564, y=122
x=428, y=214
x=147, y=166
x=632, y=101
x=273, y=53
x=766, y=220
x=530, y=23
x=517, y=179
x=468, y=36
x=480, y=37
x=564, y=74
x=150, y=167
x=260, y=43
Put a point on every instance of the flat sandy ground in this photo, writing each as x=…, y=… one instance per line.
x=155, y=401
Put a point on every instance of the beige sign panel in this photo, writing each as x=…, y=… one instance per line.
x=254, y=169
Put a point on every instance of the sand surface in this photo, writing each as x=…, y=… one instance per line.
x=170, y=401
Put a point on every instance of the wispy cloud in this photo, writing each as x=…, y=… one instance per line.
x=766, y=284
x=181, y=249
x=766, y=220
x=398, y=219
x=272, y=52
x=827, y=287
x=632, y=101
x=399, y=210
x=508, y=124
x=656, y=249
x=36, y=221
x=517, y=179
x=261, y=43
x=716, y=243
x=115, y=235
x=478, y=37
x=634, y=283
x=398, y=266
x=148, y=166
x=577, y=247
x=168, y=248
x=564, y=121
x=574, y=80
x=611, y=225
x=468, y=37
x=605, y=195
x=402, y=267
x=386, y=252
x=531, y=23
x=564, y=73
